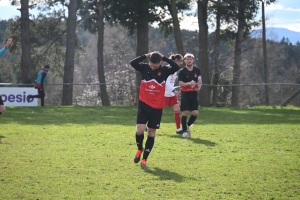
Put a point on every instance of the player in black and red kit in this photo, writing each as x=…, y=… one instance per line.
x=151, y=99
x=190, y=82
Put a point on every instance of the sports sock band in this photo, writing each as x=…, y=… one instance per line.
x=183, y=123
x=139, y=138
x=148, y=147
x=177, y=118
x=192, y=119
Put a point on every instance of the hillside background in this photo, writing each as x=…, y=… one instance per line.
x=279, y=34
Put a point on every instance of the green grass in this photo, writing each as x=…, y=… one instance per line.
x=87, y=153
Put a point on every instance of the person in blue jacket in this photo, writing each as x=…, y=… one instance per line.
x=8, y=43
x=2, y=51
x=39, y=85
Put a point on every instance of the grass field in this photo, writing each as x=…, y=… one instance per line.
x=87, y=153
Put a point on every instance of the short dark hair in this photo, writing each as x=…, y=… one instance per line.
x=155, y=58
x=47, y=66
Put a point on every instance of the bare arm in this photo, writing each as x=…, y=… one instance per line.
x=8, y=43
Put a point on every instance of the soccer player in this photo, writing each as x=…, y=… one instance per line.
x=171, y=95
x=190, y=82
x=39, y=85
x=151, y=99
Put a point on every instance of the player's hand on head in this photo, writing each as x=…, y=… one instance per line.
x=160, y=54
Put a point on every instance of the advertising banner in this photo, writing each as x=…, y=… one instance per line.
x=16, y=96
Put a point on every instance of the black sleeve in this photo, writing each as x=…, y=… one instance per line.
x=174, y=67
x=43, y=78
x=180, y=75
x=135, y=63
x=199, y=71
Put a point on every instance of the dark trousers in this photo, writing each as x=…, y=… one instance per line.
x=41, y=95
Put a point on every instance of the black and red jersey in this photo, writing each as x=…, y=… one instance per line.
x=152, y=87
x=187, y=76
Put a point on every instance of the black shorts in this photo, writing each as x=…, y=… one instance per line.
x=189, y=101
x=148, y=114
x=41, y=93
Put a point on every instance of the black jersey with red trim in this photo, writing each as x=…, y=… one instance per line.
x=187, y=76
x=152, y=87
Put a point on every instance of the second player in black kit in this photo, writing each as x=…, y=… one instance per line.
x=190, y=83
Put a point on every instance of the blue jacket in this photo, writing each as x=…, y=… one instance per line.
x=41, y=79
x=2, y=51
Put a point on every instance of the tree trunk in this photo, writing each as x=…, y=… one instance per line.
x=67, y=96
x=142, y=47
x=216, y=73
x=238, y=55
x=26, y=64
x=103, y=92
x=176, y=25
x=265, y=53
x=204, y=94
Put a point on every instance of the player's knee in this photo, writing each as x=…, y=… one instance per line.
x=185, y=113
x=177, y=110
x=195, y=113
x=151, y=132
x=140, y=129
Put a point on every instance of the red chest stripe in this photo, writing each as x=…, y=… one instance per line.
x=188, y=89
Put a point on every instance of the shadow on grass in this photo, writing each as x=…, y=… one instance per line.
x=126, y=115
x=205, y=142
x=262, y=115
x=1, y=136
x=164, y=174
x=61, y=115
x=196, y=140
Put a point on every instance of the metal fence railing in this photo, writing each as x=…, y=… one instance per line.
x=88, y=94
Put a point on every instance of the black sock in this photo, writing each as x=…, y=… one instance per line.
x=139, y=140
x=192, y=120
x=148, y=147
x=183, y=123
